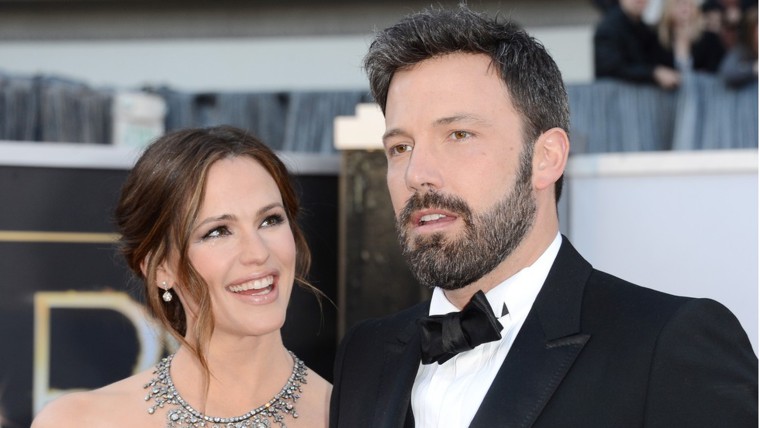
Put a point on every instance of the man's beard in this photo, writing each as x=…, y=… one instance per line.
x=488, y=238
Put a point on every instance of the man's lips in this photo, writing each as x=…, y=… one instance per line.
x=431, y=217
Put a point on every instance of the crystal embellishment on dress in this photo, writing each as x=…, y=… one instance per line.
x=181, y=415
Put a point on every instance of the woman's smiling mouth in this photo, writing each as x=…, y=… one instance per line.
x=255, y=287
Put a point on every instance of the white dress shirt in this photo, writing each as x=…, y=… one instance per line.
x=448, y=395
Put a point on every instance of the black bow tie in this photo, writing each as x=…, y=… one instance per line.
x=444, y=336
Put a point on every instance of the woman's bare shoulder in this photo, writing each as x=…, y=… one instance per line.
x=314, y=403
x=68, y=410
x=118, y=404
x=318, y=384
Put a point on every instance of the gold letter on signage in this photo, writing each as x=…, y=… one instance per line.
x=148, y=333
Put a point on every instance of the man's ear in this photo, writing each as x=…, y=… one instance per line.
x=550, y=158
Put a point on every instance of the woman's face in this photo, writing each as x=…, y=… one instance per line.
x=243, y=247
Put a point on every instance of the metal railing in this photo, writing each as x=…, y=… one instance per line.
x=606, y=115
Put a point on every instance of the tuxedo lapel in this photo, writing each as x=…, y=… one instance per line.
x=544, y=350
x=401, y=362
x=527, y=379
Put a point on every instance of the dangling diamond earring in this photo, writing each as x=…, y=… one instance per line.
x=167, y=296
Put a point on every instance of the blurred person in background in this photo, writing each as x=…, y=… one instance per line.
x=712, y=13
x=626, y=48
x=682, y=34
x=604, y=5
x=732, y=18
x=207, y=219
x=739, y=67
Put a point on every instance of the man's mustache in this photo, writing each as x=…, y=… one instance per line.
x=433, y=200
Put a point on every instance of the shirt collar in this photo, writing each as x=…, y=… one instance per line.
x=517, y=292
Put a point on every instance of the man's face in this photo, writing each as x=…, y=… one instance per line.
x=463, y=200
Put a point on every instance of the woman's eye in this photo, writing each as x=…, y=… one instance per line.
x=216, y=232
x=460, y=135
x=273, y=220
x=399, y=149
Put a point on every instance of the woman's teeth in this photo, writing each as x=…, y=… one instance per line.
x=258, y=284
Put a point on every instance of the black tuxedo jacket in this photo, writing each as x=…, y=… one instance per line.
x=594, y=351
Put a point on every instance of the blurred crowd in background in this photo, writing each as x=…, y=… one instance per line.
x=711, y=36
x=667, y=74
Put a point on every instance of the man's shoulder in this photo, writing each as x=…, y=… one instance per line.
x=611, y=304
x=392, y=324
x=366, y=341
x=604, y=288
x=623, y=300
x=610, y=287
x=618, y=286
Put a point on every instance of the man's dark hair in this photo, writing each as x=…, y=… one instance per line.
x=533, y=79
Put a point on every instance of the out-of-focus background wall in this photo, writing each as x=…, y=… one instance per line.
x=243, y=45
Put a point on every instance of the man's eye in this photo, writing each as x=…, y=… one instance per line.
x=460, y=135
x=216, y=232
x=399, y=149
x=273, y=220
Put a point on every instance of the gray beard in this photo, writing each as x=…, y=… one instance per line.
x=488, y=238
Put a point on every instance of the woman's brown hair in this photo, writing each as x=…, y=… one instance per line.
x=159, y=204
